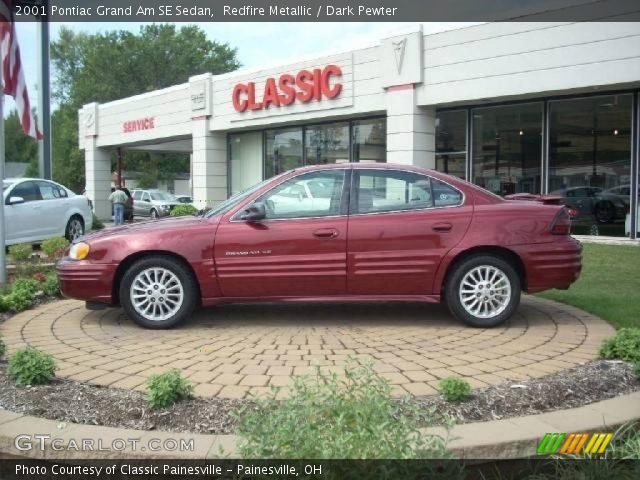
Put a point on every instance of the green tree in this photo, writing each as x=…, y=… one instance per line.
x=19, y=147
x=107, y=66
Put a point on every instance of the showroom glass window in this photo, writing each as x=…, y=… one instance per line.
x=590, y=160
x=245, y=158
x=283, y=151
x=451, y=142
x=369, y=140
x=507, y=148
x=327, y=143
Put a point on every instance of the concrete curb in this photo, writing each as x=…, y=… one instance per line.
x=518, y=437
x=511, y=438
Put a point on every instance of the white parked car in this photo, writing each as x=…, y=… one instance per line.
x=36, y=209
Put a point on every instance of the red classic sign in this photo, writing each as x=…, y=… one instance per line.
x=305, y=86
x=141, y=124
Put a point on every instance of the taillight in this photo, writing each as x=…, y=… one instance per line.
x=561, y=224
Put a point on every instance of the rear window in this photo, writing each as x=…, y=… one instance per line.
x=445, y=195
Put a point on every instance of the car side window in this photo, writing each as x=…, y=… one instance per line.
x=146, y=197
x=313, y=194
x=391, y=190
x=445, y=195
x=137, y=195
x=48, y=191
x=28, y=191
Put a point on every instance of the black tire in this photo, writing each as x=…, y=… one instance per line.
x=74, y=228
x=460, y=270
x=154, y=214
x=189, y=288
x=605, y=212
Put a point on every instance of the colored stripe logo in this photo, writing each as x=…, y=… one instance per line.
x=574, y=443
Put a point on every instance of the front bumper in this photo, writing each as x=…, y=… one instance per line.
x=84, y=280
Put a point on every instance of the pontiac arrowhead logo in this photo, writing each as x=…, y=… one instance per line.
x=398, y=51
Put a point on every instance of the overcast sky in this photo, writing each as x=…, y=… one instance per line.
x=258, y=44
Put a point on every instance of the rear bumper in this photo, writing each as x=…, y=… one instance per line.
x=550, y=265
x=83, y=280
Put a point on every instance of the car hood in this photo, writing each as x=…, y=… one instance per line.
x=151, y=226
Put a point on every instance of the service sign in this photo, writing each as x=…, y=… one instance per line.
x=147, y=123
x=304, y=87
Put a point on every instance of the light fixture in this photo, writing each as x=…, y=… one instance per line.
x=615, y=132
x=521, y=132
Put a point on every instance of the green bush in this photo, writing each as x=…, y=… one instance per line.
x=5, y=304
x=50, y=286
x=183, y=210
x=29, y=366
x=20, y=300
x=625, y=345
x=97, y=223
x=3, y=347
x=455, y=389
x=54, y=247
x=29, y=285
x=167, y=388
x=21, y=252
x=332, y=418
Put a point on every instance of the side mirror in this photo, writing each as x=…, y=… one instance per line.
x=254, y=213
x=15, y=200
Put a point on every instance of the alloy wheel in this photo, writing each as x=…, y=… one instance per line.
x=75, y=230
x=485, y=291
x=156, y=294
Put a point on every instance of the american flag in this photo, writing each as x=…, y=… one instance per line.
x=12, y=74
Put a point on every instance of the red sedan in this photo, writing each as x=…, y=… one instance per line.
x=350, y=232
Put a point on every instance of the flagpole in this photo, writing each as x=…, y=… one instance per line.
x=3, y=260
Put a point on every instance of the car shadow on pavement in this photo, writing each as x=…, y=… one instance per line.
x=324, y=315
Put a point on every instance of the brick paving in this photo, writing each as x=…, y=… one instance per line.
x=237, y=351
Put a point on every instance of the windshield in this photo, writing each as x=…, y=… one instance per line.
x=162, y=196
x=236, y=198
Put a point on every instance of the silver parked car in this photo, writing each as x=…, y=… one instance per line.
x=153, y=203
x=37, y=209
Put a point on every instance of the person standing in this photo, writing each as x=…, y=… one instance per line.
x=118, y=198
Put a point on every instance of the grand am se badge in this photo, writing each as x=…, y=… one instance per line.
x=248, y=252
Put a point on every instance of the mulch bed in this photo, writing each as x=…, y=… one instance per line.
x=69, y=401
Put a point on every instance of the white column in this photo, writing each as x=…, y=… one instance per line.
x=97, y=163
x=410, y=129
x=209, y=164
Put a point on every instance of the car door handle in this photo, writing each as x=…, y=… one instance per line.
x=442, y=227
x=326, y=233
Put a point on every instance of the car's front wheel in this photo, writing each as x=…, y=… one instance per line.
x=158, y=292
x=483, y=291
x=154, y=214
x=74, y=229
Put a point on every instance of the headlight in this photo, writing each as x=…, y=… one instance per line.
x=165, y=207
x=79, y=251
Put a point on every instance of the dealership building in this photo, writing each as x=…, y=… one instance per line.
x=515, y=107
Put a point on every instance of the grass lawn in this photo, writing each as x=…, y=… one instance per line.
x=609, y=285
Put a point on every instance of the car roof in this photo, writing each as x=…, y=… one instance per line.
x=24, y=179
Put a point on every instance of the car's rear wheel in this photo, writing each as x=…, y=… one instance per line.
x=605, y=212
x=158, y=292
x=483, y=291
x=74, y=228
x=154, y=214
